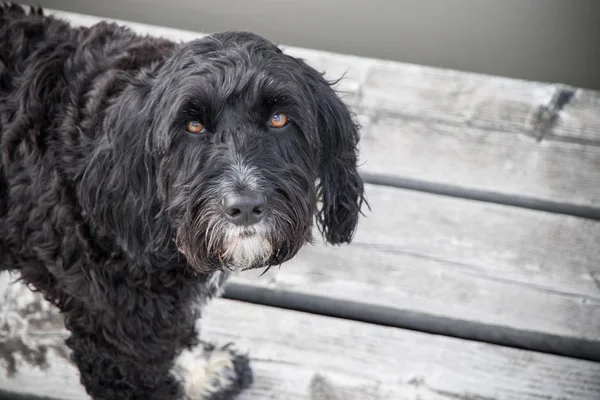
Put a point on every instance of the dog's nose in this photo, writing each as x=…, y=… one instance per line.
x=244, y=209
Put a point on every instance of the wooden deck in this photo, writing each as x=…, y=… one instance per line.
x=475, y=276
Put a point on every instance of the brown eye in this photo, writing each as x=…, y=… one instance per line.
x=194, y=127
x=279, y=120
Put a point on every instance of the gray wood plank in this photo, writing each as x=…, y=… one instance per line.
x=409, y=92
x=303, y=356
x=453, y=266
x=560, y=177
x=460, y=133
x=456, y=98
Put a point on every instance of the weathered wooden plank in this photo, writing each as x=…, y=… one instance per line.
x=471, y=269
x=460, y=133
x=466, y=100
x=559, y=177
x=410, y=92
x=479, y=133
x=360, y=361
x=453, y=97
x=303, y=356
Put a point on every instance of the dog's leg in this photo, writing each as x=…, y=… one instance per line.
x=153, y=364
x=208, y=372
x=109, y=374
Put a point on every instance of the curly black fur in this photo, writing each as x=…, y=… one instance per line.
x=111, y=209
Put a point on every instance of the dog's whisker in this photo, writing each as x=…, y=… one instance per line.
x=266, y=270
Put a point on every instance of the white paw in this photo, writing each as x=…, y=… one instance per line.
x=212, y=373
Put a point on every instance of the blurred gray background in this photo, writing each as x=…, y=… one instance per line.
x=544, y=40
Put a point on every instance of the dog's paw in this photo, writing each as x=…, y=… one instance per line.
x=211, y=373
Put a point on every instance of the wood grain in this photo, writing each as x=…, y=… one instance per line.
x=455, y=98
x=303, y=356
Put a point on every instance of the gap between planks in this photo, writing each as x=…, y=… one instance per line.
x=448, y=189
x=415, y=321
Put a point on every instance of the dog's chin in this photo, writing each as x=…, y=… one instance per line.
x=246, y=248
x=236, y=248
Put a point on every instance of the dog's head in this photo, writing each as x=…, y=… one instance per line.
x=238, y=146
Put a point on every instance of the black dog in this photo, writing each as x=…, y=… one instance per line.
x=136, y=173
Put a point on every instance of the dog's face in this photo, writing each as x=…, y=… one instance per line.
x=243, y=142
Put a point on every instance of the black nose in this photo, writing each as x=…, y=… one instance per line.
x=244, y=209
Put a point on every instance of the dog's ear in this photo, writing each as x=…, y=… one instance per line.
x=118, y=187
x=340, y=188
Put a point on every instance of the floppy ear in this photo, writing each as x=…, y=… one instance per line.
x=118, y=186
x=340, y=188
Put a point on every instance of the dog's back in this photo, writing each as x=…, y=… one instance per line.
x=31, y=71
x=8, y=67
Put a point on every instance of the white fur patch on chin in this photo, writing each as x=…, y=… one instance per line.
x=203, y=375
x=245, y=251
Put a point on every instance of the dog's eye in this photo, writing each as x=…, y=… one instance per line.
x=195, y=127
x=279, y=120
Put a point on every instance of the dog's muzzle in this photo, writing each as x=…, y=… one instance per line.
x=246, y=242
